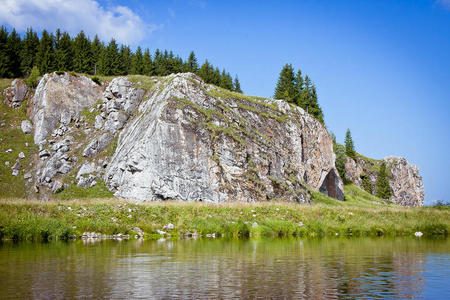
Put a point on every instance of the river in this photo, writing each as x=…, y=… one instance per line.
x=380, y=268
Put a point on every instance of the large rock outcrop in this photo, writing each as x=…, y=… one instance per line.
x=404, y=179
x=59, y=99
x=191, y=141
x=15, y=94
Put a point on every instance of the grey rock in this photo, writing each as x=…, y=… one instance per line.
x=15, y=173
x=27, y=176
x=21, y=155
x=59, y=98
x=15, y=94
x=6, y=163
x=16, y=166
x=57, y=187
x=44, y=153
x=171, y=150
x=9, y=150
x=86, y=168
x=98, y=122
x=26, y=126
x=97, y=145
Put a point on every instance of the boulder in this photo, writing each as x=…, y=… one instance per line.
x=26, y=126
x=97, y=145
x=15, y=94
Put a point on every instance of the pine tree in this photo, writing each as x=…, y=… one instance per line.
x=285, y=88
x=3, y=52
x=206, y=72
x=137, y=64
x=45, y=55
x=147, y=64
x=298, y=83
x=97, y=48
x=382, y=186
x=13, y=48
x=125, y=60
x=192, y=65
x=30, y=46
x=237, y=85
x=314, y=108
x=349, y=146
x=226, y=81
x=82, y=61
x=110, y=59
x=64, y=53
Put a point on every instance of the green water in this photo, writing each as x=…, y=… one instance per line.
x=206, y=268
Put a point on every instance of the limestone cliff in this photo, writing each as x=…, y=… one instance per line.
x=175, y=137
x=406, y=183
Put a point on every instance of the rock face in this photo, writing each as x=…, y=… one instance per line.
x=194, y=142
x=15, y=94
x=61, y=98
x=406, y=183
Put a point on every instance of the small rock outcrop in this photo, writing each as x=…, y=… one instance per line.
x=59, y=99
x=191, y=141
x=406, y=184
x=15, y=94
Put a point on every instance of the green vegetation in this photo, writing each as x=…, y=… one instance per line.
x=341, y=159
x=298, y=90
x=349, y=146
x=13, y=138
x=60, y=52
x=360, y=215
x=382, y=187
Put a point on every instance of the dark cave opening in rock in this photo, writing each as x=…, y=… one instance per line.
x=329, y=187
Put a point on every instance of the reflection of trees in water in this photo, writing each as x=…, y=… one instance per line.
x=328, y=268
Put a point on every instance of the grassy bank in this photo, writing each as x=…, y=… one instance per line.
x=41, y=221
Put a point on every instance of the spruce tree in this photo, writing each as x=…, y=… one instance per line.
x=206, y=72
x=97, y=48
x=192, y=65
x=382, y=186
x=226, y=81
x=13, y=48
x=30, y=45
x=237, y=85
x=314, y=108
x=285, y=88
x=367, y=185
x=45, y=54
x=298, y=83
x=3, y=53
x=82, y=61
x=137, y=64
x=349, y=146
x=125, y=60
x=147, y=64
x=64, y=53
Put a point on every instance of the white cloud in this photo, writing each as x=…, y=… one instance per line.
x=117, y=22
x=444, y=3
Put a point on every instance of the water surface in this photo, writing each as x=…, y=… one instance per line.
x=192, y=269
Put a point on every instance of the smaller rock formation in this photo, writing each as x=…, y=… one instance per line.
x=26, y=126
x=15, y=94
x=406, y=183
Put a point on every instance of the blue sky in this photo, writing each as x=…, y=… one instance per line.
x=382, y=68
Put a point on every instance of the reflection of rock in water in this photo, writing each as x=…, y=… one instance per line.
x=311, y=269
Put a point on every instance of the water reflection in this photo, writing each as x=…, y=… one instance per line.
x=291, y=268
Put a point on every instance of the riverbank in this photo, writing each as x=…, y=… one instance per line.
x=56, y=220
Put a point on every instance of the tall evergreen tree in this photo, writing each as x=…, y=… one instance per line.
x=192, y=65
x=298, y=83
x=64, y=53
x=45, y=55
x=125, y=60
x=349, y=146
x=97, y=48
x=285, y=88
x=314, y=108
x=30, y=46
x=382, y=186
x=147, y=64
x=137, y=64
x=341, y=159
x=4, y=63
x=206, y=72
x=13, y=48
x=110, y=59
x=226, y=81
x=82, y=61
x=237, y=85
